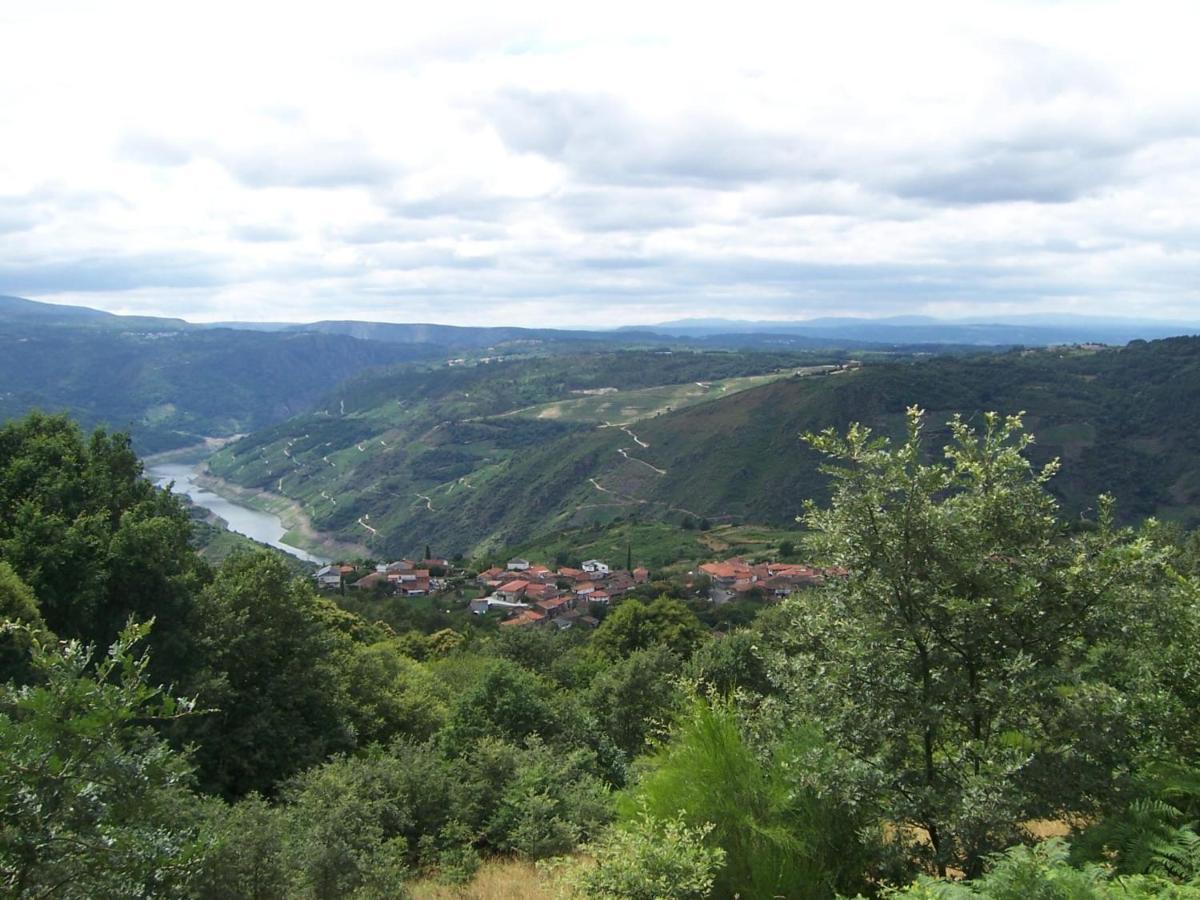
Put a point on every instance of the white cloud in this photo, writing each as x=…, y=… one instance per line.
x=533, y=163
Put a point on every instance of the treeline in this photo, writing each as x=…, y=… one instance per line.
x=985, y=676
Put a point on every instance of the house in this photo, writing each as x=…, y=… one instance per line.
x=487, y=604
x=595, y=567
x=329, y=577
x=599, y=597
x=414, y=583
x=584, y=588
x=524, y=619
x=518, y=565
x=513, y=590
x=370, y=582
x=641, y=575
x=539, y=591
x=490, y=577
x=555, y=606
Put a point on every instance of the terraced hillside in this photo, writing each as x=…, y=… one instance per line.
x=467, y=461
x=418, y=456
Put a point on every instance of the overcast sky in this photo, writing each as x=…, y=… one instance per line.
x=620, y=163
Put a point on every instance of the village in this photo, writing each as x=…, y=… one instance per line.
x=528, y=594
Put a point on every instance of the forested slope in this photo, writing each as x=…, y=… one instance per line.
x=170, y=388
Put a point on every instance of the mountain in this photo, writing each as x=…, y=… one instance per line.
x=1031, y=331
x=18, y=309
x=491, y=456
x=170, y=388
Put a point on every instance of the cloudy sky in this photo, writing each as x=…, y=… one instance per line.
x=614, y=163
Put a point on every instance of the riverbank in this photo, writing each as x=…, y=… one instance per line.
x=300, y=530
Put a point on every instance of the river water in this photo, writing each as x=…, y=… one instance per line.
x=263, y=527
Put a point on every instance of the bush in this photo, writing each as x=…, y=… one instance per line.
x=648, y=860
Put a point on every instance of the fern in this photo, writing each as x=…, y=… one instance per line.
x=1155, y=835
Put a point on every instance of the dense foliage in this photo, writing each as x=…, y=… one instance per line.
x=982, y=672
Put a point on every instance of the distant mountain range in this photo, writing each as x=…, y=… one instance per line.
x=1030, y=330
x=1035, y=330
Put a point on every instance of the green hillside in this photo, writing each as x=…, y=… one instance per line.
x=173, y=387
x=477, y=458
x=417, y=456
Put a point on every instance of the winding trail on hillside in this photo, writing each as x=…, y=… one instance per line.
x=428, y=502
x=598, y=487
x=625, y=453
x=637, y=440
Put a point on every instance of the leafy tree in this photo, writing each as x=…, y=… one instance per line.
x=92, y=802
x=733, y=663
x=966, y=664
x=96, y=542
x=509, y=703
x=633, y=698
x=634, y=626
x=548, y=803
x=247, y=853
x=390, y=695
x=274, y=675
x=19, y=612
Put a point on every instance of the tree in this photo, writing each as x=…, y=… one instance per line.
x=634, y=626
x=634, y=697
x=649, y=860
x=780, y=836
x=966, y=665
x=20, y=624
x=275, y=677
x=96, y=542
x=92, y=802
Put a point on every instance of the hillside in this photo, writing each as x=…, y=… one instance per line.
x=469, y=460
x=407, y=456
x=170, y=388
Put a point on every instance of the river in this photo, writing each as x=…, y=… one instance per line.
x=263, y=527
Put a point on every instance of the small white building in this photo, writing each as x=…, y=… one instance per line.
x=595, y=567
x=518, y=565
x=329, y=577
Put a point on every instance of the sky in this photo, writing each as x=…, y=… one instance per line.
x=590, y=165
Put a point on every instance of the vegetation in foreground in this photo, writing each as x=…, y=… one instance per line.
x=171, y=729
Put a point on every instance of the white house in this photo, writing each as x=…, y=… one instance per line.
x=518, y=565
x=329, y=577
x=595, y=567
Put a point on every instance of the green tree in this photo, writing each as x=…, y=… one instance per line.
x=966, y=664
x=92, y=802
x=634, y=698
x=20, y=624
x=96, y=542
x=390, y=695
x=275, y=676
x=634, y=626
x=651, y=859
